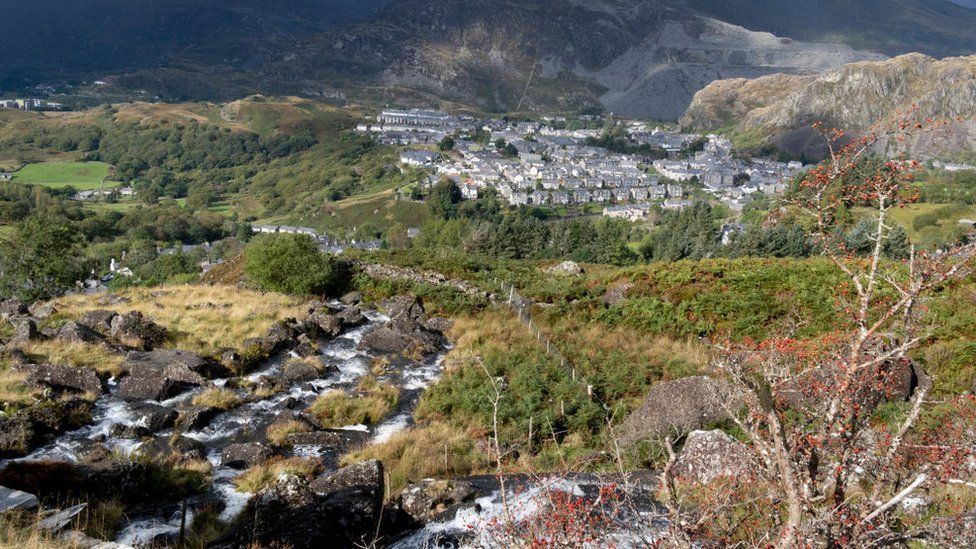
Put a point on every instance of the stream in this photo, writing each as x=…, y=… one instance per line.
x=146, y=526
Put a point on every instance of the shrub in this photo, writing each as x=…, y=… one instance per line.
x=291, y=264
x=371, y=403
x=223, y=399
x=261, y=476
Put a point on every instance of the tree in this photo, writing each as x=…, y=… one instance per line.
x=41, y=260
x=290, y=263
x=444, y=198
x=446, y=144
x=827, y=470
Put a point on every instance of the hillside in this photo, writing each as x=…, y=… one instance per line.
x=855, y=96
x=633, y=58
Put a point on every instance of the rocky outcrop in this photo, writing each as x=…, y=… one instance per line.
x=342, y=509
x=99, y=319
x=15, y=500
x=25, y=329
x=150, y=388
x=134, y=330
x=570, y=268
x=780, y=109
x=429, y=499
x=30, y=427
x=405, y=333
x=677, y=407
x=154, y=417
x=244, y=455
x=181, y=366
x=73, y=332
x=709, y=455
x=61, y=378
x=193, y=418
x=10, y=308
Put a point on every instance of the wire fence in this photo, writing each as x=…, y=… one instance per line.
x=520, y=306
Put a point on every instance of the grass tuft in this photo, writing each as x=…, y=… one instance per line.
x=263, y=475
x=371, y=402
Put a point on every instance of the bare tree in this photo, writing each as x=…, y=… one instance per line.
x=832, y=478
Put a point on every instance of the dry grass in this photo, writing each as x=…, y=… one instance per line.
x=277, y=434
x=434, y=451
x=371, y=402
x=77, y=355
x=222, y=399
x=261, y=476
x=19, y=531
x=13, y=392
x=202, y=319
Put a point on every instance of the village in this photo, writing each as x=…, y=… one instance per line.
x=557, y=162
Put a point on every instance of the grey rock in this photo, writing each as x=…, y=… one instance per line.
x=11, y=500
x=154, y=417
x=428, y=499
x=129, y=432
x=61, y=519
x=336, y=440
x=352, y=317
x=168, y=447
x=439, y=324
x=137, y=331
x=566, y=268
x=13, y=307
x=351, y=298
x=244, y=455
x=62, y=378
x=99, y=319
x=403, y=307
x=709, y=455
x=174, y=364
x=196, y=417
x=73, y=332
x=298, y=370
x=25, y=329
x=149, y=388
x=329, y=324
x=617, y=292
x=41, y=310
x=677, y=407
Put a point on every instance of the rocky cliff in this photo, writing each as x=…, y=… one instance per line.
x=780, y=109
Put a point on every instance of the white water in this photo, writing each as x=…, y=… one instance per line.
x=232, y=426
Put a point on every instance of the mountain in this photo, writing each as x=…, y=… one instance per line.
x=780, y=109
x=49, y=40
x=934, y=27
x=633, y=57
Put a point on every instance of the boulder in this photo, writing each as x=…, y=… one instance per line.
x=566, y=268
x=194, y=418
x=387, y=340
x=329, y=324
x=136, y=331
x=41, y=310
x=305, y=348
x=244, y=455
x=62, y=378
x=351, y=298
x=709, y=455
x=182, y=366
x=149, y=388
x=352, y=317
x=678, y=407
x=167, y=447
x=438, y=324
x=617, y=292
x=17, y=436
x=403, y=307
x=129, y=432
x=13, y=307
x=100, y=319
x=73, y=332
x=429, y=499
x=90, y=451
x=338, y=441
x=25, y=329
x=15, y=500
x=54, y=417
x=154, y=417
x=61, y=519
x=338, y=510
x=299, y=370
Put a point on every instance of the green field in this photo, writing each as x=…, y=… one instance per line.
x=80, y=175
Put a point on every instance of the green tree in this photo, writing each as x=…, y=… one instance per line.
x=897, y=244
x=444, y=198
x=290, y=263
x=41, y=260
x=446, y=144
